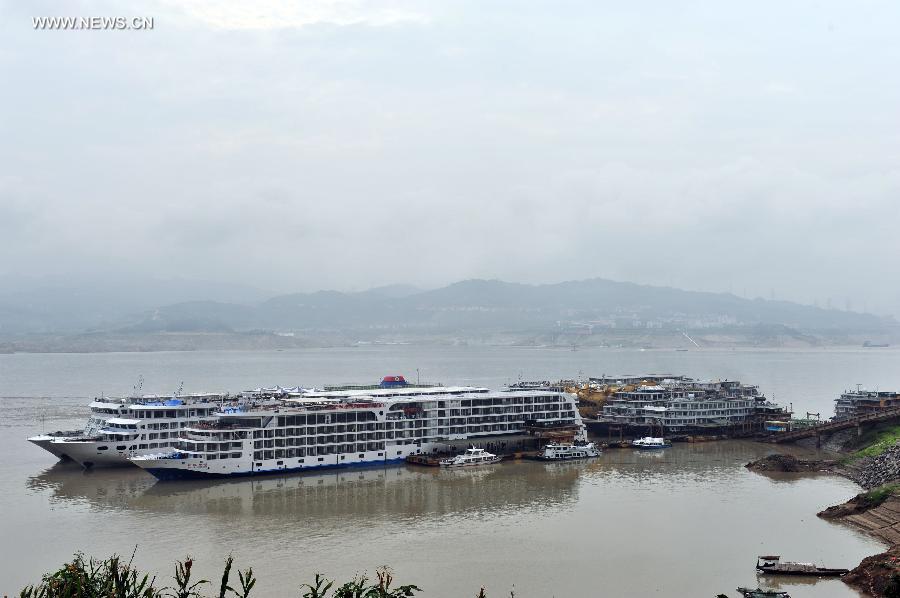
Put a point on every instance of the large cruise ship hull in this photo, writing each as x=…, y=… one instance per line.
x=90, y=453
x=175, y=473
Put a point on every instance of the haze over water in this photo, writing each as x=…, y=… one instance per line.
x=685, y=522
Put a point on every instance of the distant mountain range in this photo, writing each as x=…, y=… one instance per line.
x=501, y=306
x=472, y=307
x=29, y=306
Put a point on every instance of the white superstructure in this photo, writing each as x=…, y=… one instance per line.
x=650, y=442
x=102, y=410
x=472, y=456
x=358, y=427
x=125, y=427
x=565, y=452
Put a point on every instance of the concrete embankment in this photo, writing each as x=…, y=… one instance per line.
x=878, y=513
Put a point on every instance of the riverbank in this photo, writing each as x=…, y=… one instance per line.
x=877, y=512
x=872, y=461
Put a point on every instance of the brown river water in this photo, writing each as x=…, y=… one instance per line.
x=688, y=521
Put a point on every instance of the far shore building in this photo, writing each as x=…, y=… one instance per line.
x=679, y=404
x=853, y=403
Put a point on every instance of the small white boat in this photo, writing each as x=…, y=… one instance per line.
x=649, y=442
x=472, y=456
x=565, y=452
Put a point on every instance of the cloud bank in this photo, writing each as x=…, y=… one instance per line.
x=298, y=146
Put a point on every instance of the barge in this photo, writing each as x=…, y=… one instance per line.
x=773, y=565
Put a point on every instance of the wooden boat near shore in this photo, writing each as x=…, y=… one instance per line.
x=772, y=565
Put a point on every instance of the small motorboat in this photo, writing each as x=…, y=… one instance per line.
x=773, y=565
x=565, y=452
x=650, y=442
x=472, y=456
x=758, y=593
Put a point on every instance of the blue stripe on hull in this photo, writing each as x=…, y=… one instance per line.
x=168, y=474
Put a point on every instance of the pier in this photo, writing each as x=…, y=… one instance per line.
x=836, y=426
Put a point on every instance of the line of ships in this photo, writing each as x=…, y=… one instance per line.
x=271, y=430
x=678, y=404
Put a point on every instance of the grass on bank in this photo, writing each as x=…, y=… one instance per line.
x=876, y=496
x=874, y=442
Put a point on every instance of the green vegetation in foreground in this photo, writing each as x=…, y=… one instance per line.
x=111, y=578
x=875, y=441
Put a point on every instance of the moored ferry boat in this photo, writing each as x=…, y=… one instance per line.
x=360, y=427
x=126, y=427
x=472, y=456
x=651, y=443
x=566, y=452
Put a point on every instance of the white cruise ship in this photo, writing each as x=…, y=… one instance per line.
x=356, y=427
x=120, y=428
x=102, y=410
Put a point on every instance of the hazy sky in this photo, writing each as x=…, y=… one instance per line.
x=751, y=147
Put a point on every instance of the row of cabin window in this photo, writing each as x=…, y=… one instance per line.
x=262, y=455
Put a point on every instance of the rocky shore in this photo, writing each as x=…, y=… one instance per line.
x=877, y=575
x=877, y=512
x=790, y=464
x=872, y=472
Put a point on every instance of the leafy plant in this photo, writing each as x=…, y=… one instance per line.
x=247, y=582
x=318, y=589
x=94, y=579
x=384, y=590
x=183, y=586
x=355, y=588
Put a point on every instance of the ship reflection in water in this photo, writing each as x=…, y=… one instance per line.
x=405, y=491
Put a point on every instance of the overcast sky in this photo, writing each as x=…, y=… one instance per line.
x=751, y=147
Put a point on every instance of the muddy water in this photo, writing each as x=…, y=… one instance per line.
x=688, y=521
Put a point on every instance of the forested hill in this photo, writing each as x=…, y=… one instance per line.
x=492, y=305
